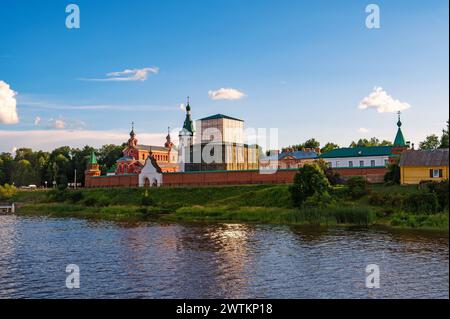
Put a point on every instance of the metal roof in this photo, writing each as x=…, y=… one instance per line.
x=437, y=157
x=358, y=152
x=220, y=116
x=298, y=155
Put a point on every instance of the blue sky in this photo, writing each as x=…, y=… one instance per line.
x=303, y=67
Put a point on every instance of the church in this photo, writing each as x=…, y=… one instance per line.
x=135, y=156
x=217, y=145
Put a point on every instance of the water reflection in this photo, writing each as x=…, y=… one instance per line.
x=151, y=260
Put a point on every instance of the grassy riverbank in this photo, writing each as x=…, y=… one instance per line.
x=383, y=205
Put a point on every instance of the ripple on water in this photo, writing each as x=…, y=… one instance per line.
x=150, y=260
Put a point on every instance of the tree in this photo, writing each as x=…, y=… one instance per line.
x=329, y=147
x=311, y=143
x=431, y=143
x=309, y=180
x=372, y=142
x=108, y=155
x=393, y=174
x=444, y=138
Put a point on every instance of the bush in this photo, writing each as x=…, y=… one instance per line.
x=393, y=175
x=357, y=187
x=58, y=195
x=334, y=178
x=75, y=196
x=422, y=203
x=321, y=200
x=103, y=201
x=90, y=201
x=442, y=192
x=146, y=200
x=7, y=191
x=309, y=180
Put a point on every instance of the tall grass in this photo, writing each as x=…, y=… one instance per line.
x=314, y=216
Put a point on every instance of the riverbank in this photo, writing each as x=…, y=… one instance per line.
x=249, y=203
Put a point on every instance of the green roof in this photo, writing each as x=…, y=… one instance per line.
x=220, y=116
x=358, y=152
x=112, y=169
x=399, y=138
x=93, y=158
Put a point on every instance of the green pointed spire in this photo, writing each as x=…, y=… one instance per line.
x=188, y=124
x=93, y=159
x=399, y=138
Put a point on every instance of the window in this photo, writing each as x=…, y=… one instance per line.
x=372, y=163
x=350, y=164
x=338, y=163
x=386, y=162
x=361, y=163
x=435, y=173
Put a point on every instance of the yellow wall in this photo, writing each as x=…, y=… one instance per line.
x=414, y=175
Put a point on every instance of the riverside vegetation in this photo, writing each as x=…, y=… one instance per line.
x=316, y=197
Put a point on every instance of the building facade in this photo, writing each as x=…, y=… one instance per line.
x=367, y=157
x=422, y=166
x=218, y=144
x=135, y=155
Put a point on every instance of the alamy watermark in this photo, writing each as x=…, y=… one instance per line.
x=73, y=279
x=373, y=276
x=73, y=19
x=373, y=19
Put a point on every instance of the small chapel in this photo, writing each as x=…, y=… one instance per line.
x=135, y=156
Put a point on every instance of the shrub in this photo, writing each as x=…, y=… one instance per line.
x=422, y=202
x=75, y=196
x=58, y=195
x=7, y=191
x=309, y=180
x=357, y=187
x=442, y=192
x=103, y=201
x=334, y=178
x=146, y=200
x=393, y=174
x=90, y=201
x=319, y=200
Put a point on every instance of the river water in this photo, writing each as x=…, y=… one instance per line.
x=154, y=260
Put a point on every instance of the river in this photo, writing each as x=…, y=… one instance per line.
x=154, y=260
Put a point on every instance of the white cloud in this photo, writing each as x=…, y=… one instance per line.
x=182, y=107
x=128, y=75
x=61, y=124
x=363, y=130
x=226, y=94
x=50, y=139
x=37, y=120
x=8, y=110
x=380, y=100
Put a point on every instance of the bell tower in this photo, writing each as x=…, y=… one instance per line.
x=93, y=169
x=186, y=137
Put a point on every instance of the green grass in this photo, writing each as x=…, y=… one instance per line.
x=246, y=203
x=316, y=216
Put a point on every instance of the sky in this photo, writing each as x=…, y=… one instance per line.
x=307, y=68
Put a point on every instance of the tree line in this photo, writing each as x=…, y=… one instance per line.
x=40, y=168
x=431, y=142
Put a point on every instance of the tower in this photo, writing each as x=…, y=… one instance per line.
x=93, y=169
x=185, y=136
x=399, y=145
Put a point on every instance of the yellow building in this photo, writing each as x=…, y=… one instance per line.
x=419, y=166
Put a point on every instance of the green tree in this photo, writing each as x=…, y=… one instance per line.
x=309, y=180
x=444, y=138
x=372, y=142
x=329, y=147
x=431, y=143
x=393, y=174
